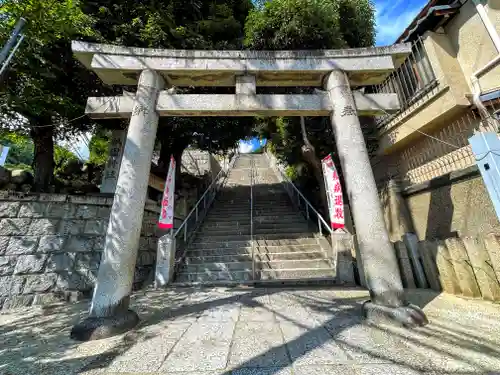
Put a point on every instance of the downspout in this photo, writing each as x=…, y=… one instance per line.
x=476, y=86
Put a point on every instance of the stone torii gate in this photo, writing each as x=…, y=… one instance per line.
x=153, y=71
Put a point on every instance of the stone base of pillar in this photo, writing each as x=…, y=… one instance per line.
x=408, y=316
x=97, y=328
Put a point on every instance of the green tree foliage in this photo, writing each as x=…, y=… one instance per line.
x=311, y=24
x=180, y=24
x=45, y=86
x=305, y=25
x=20, y=148
x=99, y=146
x=191, y=24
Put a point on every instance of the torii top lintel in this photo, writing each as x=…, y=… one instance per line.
x=122, y=65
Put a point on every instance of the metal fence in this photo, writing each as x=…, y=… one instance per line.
x=186, y=231
x=412, y=80
x=442, y=151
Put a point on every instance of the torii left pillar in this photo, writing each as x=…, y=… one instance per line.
x=109, y=312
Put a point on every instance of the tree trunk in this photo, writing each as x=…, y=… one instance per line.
x=167, y=150
x=309, y=155
x=43, y=159
x=178, y=162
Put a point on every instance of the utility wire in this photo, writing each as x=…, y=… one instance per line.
x=74, y=119
x=417, y=130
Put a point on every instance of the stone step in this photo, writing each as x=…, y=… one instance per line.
x=257, y=211
x=263, y=275
x=191, y=257
x=257, y=217
x=246, y=207
x=292, y=274
x=239, y=201
x=236, y=244
x=245, y=250
x=217, y=267
x=285, y=238
x=259, y=265
x=233, y=245
x=231, y=276
x=266, y=224
x=258, y=230
x=280, y=264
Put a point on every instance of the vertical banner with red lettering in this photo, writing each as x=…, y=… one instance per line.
x=166, y=220
x=333, y=193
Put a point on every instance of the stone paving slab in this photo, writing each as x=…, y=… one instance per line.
x=218, y=331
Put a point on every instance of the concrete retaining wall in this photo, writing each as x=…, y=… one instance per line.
x=468, y=266
x=456, y=238
x=51, y=246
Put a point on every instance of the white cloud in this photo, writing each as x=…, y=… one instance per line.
x=393, y=17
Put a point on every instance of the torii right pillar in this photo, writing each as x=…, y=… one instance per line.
x=378, y=256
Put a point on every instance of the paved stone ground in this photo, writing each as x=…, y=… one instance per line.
x=263, y=331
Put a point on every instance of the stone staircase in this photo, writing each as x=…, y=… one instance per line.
x=286, y=246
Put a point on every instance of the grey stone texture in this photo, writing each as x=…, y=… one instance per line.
x=7, y=265
x=116, y=271
x=32, y=209
x=61, y=262
x=4, y=242
x=51, y=246
x=22, y=245
x=379, y=259
x=27, y=264
x=365, y=66
x=317, y=331
x=14, y=227
x=39, y=283
x=41, y=227
x=8, y=209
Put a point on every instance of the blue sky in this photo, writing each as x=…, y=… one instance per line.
x=393, y=16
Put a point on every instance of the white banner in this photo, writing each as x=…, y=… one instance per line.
x=166, y=220
x=333, y=193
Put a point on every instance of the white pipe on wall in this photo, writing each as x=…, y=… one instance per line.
x=476, y=87
x=488, y=24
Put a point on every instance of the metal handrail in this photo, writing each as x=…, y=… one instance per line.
x=199, y=212
x=293, y=191
x=203, y=197
x=252, y=161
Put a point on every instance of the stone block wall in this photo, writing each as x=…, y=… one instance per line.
x=195, y=162
x=467, y=266
x=456, y=234
x=51, y=246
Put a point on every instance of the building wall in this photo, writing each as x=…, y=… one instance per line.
x=443, y=101
x=440, y=195
x=455, y=52
x=457, y=232
x=51, y=246
x=474, y=47
x=445, y=150
x=456, y=209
